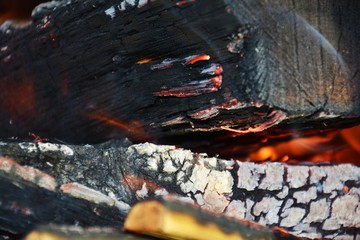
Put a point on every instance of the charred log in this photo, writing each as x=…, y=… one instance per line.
x=87, y=71
x=26, y=205
x=309, y=201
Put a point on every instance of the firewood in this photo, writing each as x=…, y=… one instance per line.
x=87, y=71
x=204, y=74
x=55, y=232
x=25, y=205
x=308, y=201
x=169, y=219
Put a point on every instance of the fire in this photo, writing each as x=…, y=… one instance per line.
x=339, y=147
x=20, y=101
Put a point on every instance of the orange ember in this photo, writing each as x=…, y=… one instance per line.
x=193, y=59
x=144, y=61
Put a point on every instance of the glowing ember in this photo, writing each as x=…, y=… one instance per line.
x=183, y=2
x=193, y=59
x=143, y=61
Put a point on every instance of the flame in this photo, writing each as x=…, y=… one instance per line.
x=352, y=135
x=339, y=147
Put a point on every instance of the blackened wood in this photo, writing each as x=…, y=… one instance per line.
x=25, y=205
x=309, y=201
x=86, y=71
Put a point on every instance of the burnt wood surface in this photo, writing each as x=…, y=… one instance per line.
x=308, y=201
x=91, y=70
x=25, y=205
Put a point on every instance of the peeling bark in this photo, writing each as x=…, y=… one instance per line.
x=310, y=201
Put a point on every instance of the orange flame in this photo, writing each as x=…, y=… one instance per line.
x=340, y=147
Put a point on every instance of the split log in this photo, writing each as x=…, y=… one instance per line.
x=309, y=201
x=171, y=219
x=69, y=233
x=91, y=70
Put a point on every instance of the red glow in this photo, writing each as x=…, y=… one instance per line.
x=19, y=98
x=218, y=70
x=54, y=40
x=352, y=136
x=217, y=81
x=38, y=139
x=182, y=2
x=133, y=129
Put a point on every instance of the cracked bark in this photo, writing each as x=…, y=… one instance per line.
x=309, y=201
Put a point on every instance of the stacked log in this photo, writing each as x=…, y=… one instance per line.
x=309, y=201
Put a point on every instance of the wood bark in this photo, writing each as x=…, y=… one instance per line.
x=87, y=71
x=309, y=201
x=26, y=205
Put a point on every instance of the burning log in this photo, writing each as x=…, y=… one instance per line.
x=154, y=69
x=210, y=75
x=309, y=201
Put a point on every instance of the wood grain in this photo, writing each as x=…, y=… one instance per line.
x=93, y=70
